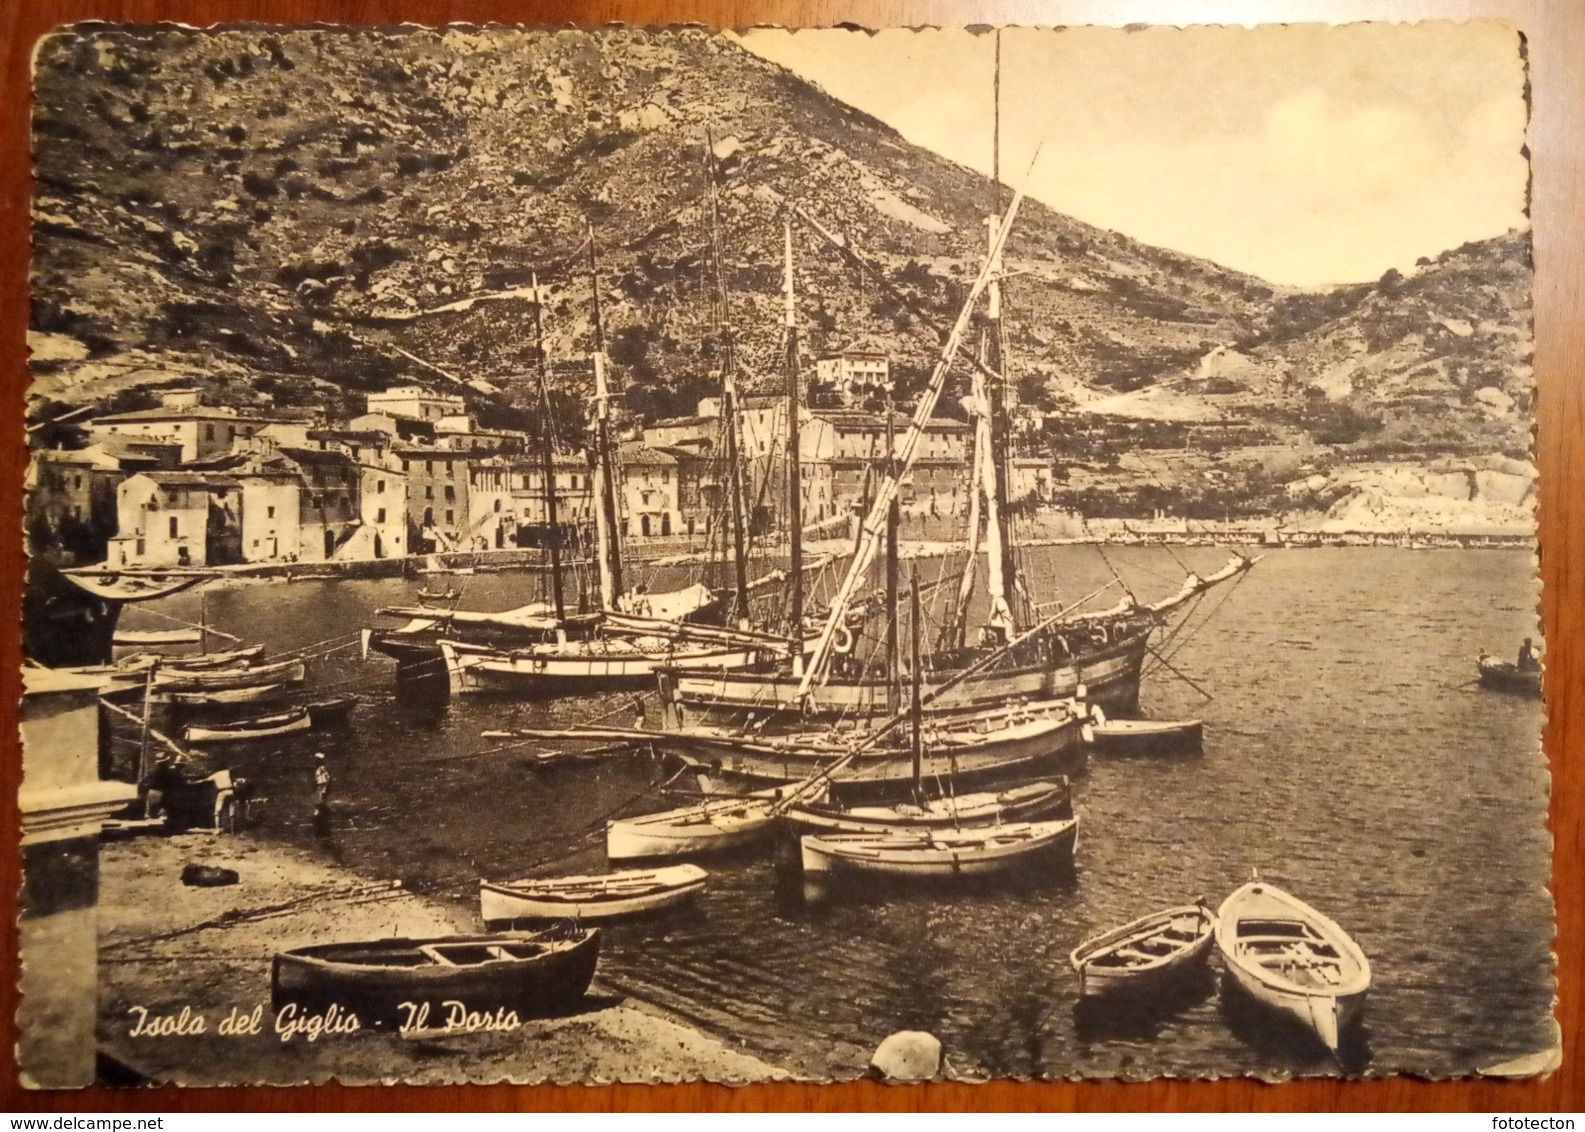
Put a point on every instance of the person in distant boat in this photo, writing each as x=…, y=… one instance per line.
x=1528, y=661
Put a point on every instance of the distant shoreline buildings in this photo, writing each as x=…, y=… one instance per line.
x=189, y=484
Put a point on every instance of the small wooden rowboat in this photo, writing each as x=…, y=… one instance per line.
x=1142, y=953
x=248, y=730
x=331, y=713
x=205, y=662
x=605, y=897
x=1286, y=955
x=933, y=854
x=1022, y=803
x=1141, y=735
x=523, y=972
x=440, y=595
x=287, y=672
x=1506, y=676
x=225, y=697
x=710, y=827
x=156, y=638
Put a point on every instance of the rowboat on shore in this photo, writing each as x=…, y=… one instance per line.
x=1142, y=953
x=1140, y=736
x=1289, y=957
x=287, y=672
x=1021, y=803
x=1506, y=676
x=938, y=854
x=248, y=730
x=606, y=896
x=526, y=973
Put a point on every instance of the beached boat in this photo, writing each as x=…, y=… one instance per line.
x=331, y=713
x=248, y=730
x=525, y=973
x=156, y=638
x=605, y=896
x=1146, y=735
x=1506, y=676
x=1021, y=803
x=224, y=697
x=1140, y=954
x=936, y=854
x=287, y=672
x=1290, y=957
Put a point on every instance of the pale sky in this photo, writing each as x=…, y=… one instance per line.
x=1306, y=155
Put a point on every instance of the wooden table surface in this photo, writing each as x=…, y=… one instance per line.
x=1556, y=40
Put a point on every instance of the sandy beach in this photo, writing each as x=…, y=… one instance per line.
x=167, y=948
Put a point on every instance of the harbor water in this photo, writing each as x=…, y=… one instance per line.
x=1348, y=757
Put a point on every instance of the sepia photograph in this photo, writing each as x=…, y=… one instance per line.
x=625, y=555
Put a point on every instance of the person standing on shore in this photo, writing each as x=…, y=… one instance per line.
x=321, y=778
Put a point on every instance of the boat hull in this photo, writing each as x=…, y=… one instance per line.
x=649, y=891
x=1098, y=975
x=545, y=671
x=290, y=672
x=938, y=857
x=1505, y=676
x=1025, y=803
x=1141, y=736
x=375, y=978
x=713, y=827
x=290, y=723
x=1268, y=939
x=1109, y=676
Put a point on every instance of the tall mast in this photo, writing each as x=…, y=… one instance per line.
x=548, y=460
x=893, y=614
x=794, y=455
x=1002, y=567
x=916, y=706
x=607, y=513
x=729, y=407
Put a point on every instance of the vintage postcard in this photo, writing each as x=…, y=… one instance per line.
x=620, y=555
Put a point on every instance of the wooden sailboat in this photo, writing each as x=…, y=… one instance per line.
x=1291, y=958
x=1029, y=802
x=286, y=672
x=709, y=827
x=1143, y=952
x=604, y=896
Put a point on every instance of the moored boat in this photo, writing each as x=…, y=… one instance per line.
x=1021, y=803
x=605, y=896
x=224, y=697
x=332, y=712
x=287, y=672
x=156, y=638
x=1506, y=676
x=247, y=730
x=1288, y=956
x=1146, y=735
x=1141, y=953
x=526, y=973
x=572, y=667
x=212, y=660
x=713, y=826
x=937, y=854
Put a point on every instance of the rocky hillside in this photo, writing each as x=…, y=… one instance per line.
x=306, y=214
x=1437, y=362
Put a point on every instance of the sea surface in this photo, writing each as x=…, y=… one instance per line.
x=1348, y=757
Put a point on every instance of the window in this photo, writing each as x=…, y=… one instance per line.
x=269, y=512
x=448, y=468
x=451, y=494
x=379, y=516
x=429, y=467
x=379, y=487
x=404, y=466
x=176, y=530
x=429, y=491
x=77, y=481
x=450, y=518
x=498, y=504
x=209, y=432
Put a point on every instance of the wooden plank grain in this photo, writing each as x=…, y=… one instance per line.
x=1556, y=43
